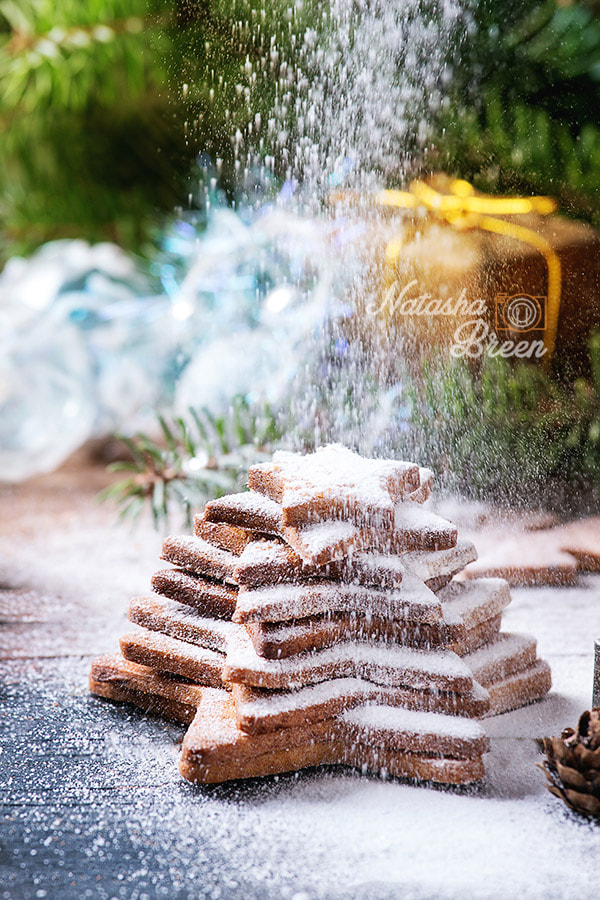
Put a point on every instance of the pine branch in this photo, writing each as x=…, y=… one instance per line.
x=531, y=122
x=508, y=431
x=68, y=54
x=201, y=456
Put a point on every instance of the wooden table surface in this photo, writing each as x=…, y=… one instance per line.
x=92, y=803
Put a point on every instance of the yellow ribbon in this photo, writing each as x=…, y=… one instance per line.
x=462, y=209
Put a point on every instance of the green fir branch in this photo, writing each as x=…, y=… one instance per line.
x=524, y=109
x=199, y=457
x=508, y=431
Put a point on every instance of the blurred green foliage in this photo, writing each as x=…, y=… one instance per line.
x=525, y=112
x=509, y=431
x=88, y=143
x=105, y=105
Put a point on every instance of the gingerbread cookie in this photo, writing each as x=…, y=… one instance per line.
x=278, y=640
x=432, y=565
x=412, y=767
x=116, y=678
x=396, y=728
x=227, y=537
x=273, y=562
x=180, y=621
x=507, y=655
x=467, y=611
x=425, y=489
x=470, y=603
x=414, y=528
x=529, y=558
x=260, y=710
x=323, y=542
x=167, y=654
x=582, y=540
x=517, y=690
x=394, y=666
x=198, y=556
x=210, y=597
x=333, y=483
x=248, y=510
x=412, y=602
x=215, y=749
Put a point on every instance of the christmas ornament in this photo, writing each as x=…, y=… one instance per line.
x=90, y=341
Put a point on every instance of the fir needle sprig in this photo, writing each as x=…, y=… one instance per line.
x=199, y=457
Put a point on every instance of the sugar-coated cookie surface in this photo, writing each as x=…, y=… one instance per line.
x=388, y=665
x=259, y=710
x=196, y=555
x=180, y=621
x=412, y=601
x=520, y=689
x=334, y=482
x=166, y=654
x=115, y=678
x=214, y=748
x=330, y=537
x=507, y=655
x=277, y=640
x=213, y=598
x=227, y=537
x=249, y=510
x=428, y=564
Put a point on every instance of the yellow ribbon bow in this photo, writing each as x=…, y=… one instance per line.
x=462, y=209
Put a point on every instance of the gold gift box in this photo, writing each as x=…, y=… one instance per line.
x=460, y=271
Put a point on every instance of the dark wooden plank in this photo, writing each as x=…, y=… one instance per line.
x=92, y=803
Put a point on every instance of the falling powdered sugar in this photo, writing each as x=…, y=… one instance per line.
x=426, y=564
x=290, y=601
x=394, y=718
x=385, y=665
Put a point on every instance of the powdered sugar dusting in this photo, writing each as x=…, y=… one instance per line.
x=395, y=718
x=426, y=564
x=353, y=658
x=290, y=601
x=262, y=552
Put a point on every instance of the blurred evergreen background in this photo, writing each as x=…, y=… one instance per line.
x=112, y=110
x=105, y=106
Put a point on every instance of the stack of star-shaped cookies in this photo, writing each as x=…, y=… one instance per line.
x=316, y=619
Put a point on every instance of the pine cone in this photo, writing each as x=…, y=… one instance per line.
x=572, y=765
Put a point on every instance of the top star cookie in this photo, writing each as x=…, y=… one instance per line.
x=335, y=483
